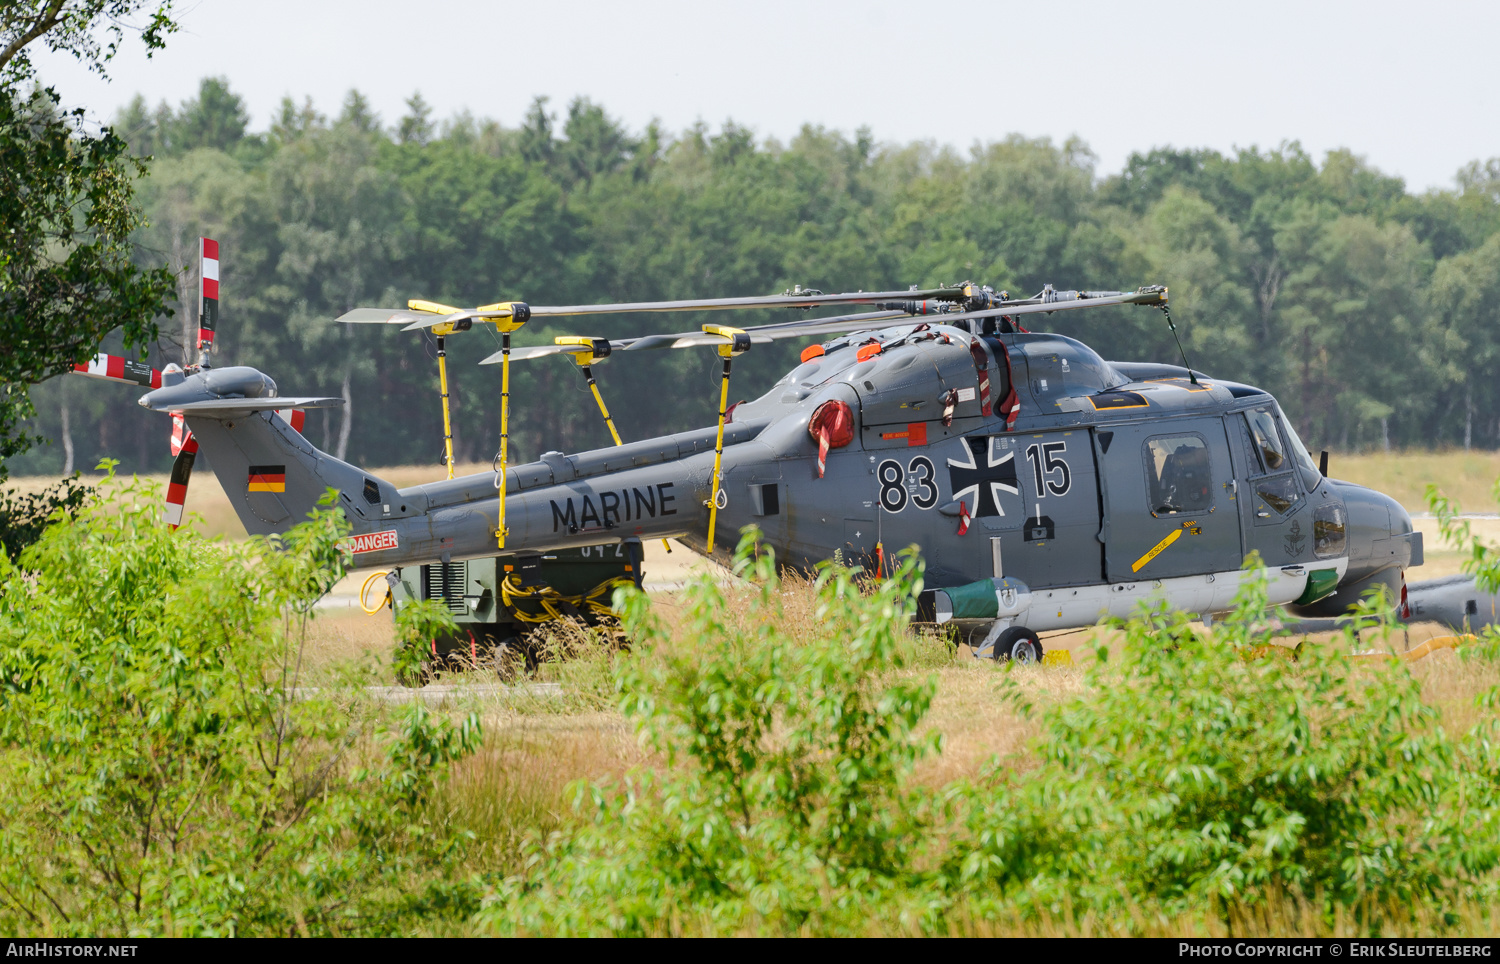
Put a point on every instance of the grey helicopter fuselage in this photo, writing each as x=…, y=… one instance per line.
x=1108, y=485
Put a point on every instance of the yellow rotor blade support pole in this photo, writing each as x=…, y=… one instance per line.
x=588, y=376
x=500, y=474
x=736, y=343
x=440, y=331
x=520, y=315
x=585, y=360
x=447, y=418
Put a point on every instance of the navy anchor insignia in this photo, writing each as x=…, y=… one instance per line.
x=1295, y=540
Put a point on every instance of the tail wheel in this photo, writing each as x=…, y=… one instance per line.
x=1018, y=644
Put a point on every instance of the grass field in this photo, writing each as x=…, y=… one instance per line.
x=536, y=746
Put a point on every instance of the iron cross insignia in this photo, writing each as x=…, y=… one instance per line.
x=981, y=486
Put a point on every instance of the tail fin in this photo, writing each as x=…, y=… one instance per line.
x=273, y=476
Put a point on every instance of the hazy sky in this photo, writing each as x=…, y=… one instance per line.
x=1410, y=86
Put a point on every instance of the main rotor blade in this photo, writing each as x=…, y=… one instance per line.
x=378, y=316
x=543, y=351
x=424, y=320
x=1155, y=295
x=754, y=301
x=871, y=319
x=692, y=339
x=416, y=320
x=182, y=471
x=113, y=368
x=763, y=334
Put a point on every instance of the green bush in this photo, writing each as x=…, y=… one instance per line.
x=418, y=623
x=23, y=517
x=1200, y=774
x=787, y=804
x=1191, y=779
x=165, y=770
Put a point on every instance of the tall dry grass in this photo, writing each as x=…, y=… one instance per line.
x=536, y=746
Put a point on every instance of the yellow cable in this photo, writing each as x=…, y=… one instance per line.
x=550, y=600
x=365, y=590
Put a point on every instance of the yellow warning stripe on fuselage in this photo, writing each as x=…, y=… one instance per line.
x=1172, y=537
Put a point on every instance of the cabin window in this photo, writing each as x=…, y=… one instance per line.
x=1178, y=475
x=1268, y=445
x=1329, y=533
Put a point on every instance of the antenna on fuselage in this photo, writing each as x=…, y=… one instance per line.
x=1167, y=313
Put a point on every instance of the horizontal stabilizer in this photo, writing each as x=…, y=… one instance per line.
x=230, y=407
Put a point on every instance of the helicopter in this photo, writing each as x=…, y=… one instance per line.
x=1043, y=485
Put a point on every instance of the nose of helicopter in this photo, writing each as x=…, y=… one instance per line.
x=1378, y=539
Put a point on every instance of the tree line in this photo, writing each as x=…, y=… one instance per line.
x=1368, y=310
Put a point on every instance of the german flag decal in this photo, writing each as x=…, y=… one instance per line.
x=267, y=478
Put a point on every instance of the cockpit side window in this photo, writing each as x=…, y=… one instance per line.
x=1311, y=477
x=1269, y=448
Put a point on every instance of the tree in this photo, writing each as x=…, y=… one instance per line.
x=416, y=127
x=215, y=118
x=537, y=144
x=66, y=206
x=596, y=143
x=357, y=113
x=73, y=26
x=1466, y=297
x=66, y=277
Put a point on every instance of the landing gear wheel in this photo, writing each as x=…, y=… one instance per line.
x=515, y=659
x=416, y=679
x=1018, y=644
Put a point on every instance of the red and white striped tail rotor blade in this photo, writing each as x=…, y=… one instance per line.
x=181, y=434
x=295, y=417
x=113, y=368
x=182, y=470
x=208, y=304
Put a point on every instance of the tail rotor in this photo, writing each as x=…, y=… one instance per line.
x=185, y=448
x=114, y=368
